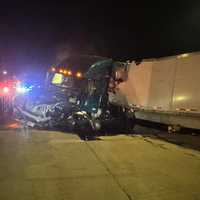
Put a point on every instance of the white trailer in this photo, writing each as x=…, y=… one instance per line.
x=164, y=90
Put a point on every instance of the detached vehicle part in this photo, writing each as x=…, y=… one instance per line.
x=41, y=108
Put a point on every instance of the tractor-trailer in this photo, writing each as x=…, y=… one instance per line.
x=164, y=90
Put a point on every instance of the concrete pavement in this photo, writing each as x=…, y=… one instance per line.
x=41, y=165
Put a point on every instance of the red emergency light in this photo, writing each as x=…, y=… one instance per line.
x=7, y=87
x=6, y=90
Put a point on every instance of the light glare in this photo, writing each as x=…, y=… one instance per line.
x=5, y=89
x=5, y=72
x=78, y=74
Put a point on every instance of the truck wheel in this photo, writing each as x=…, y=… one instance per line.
x=129, y=124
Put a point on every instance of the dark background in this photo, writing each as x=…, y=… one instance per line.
x=33, y=34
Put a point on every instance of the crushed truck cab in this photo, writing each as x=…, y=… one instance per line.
x=78, y=95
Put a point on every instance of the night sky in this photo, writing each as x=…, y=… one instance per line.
x=32, y=34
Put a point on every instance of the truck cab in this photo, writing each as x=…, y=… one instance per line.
x=77, y=95
x=68, y=77
x=88, y=85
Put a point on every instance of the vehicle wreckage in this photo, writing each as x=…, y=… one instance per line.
x=79, y=94
x=101, y=94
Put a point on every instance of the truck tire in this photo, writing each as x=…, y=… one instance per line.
x=129, y=123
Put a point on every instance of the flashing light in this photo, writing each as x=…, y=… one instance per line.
x=5, y=72
x=78, y=74
x=65, y=72
x=69, y=73
x=5, y=90
x=61, y=71
x=22, y=88
x=53, y=69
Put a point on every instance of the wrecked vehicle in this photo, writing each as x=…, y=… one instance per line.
x=78, y=94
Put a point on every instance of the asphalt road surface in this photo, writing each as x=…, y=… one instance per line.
x=47, y=165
